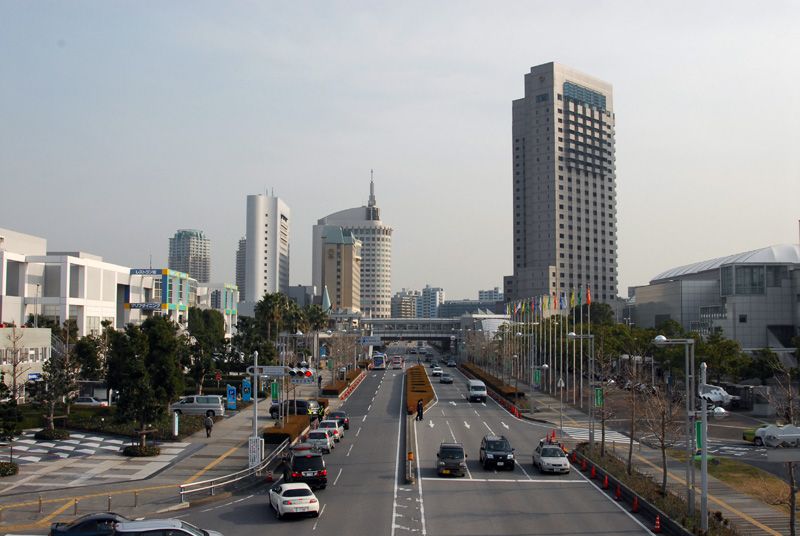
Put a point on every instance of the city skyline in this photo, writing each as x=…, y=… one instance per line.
x=168, y=118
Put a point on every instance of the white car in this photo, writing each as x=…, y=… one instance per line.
x=550, y=458
x=90, y=401
x=716, y=395
x=293, y=498
x=174, y=527
x=322, y=439
x=779, y=436
x=335, y=427
x=437, y=371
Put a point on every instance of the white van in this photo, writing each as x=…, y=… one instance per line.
x=209, y=405
x=477, y=390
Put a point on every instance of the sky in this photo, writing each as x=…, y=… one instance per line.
x=121, y=122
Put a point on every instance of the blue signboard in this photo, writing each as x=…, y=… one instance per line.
x=231, y=397
x=146, y=271
x=245, y=390
x=323, y=351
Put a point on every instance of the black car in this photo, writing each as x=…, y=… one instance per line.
x=340, y=416
x=496, y=452
x=434, y=363
x=306, y=466
x=451, y=459
x=100, y=524
x=451, y=363
x=297, y=407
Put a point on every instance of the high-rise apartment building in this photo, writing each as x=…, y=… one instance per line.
x=341, y=269
x=429, y=301
x=490, y=295
x=190, y=253
x=564, y=185
x=404, y=304
x=241, y=266
x=365, y=224
x=266, y=247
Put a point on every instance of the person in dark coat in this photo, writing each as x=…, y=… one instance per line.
x=209, y=422
x=420, y=409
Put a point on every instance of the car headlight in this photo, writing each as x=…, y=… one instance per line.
x=510, y=456
x=463, y=464
x=490, y=456
x=441, y=464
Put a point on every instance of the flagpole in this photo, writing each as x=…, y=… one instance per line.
x=580, y=307
x=574, y=368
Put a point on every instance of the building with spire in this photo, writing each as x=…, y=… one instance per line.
x=365, y=225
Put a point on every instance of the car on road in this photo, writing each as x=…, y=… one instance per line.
x=434, y=363
x=296, y=407
x=496, y=452
x=340, y=416
x=306, y=466
x=446, y=378
x=173, y=527
x=208, y=405
x=437, y=371
x=334, y=426
x=452, y=363
x=90, y=401
x=551, y=458
x=477, y=391
x=755, y=435
x=451, y=460
x=293, y=499
x=322, y=439
x=98, y=524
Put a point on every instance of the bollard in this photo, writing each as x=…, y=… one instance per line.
x=109, y=504
x=135, y=499
x=75, y=507
x=40, y=504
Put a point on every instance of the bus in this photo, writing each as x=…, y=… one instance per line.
x=379, y=362
x=397, y=362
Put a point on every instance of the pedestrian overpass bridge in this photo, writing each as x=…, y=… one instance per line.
x=414, y=329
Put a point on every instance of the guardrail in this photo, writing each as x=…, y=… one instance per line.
x=213, y=484
x=510, y=407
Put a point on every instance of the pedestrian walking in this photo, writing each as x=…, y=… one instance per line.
x=209, y=422
x=420, y=409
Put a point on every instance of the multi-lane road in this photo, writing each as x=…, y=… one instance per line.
x=366, y=493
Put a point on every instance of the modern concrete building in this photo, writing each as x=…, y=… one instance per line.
x=267, y=247
x=490, y=295
x=428, y=302
x=458, y=308
x=341, y=269
x=241, y=266
x=564, y=185
x=222, y=297
x=365, y=224
x=190, y=253
x=304, y=295
x=751, y=297
x=404, y=303
x=167, y=293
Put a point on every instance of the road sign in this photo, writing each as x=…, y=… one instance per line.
x=537, y=377
x=698, y=434
x=246, y=386
x=255, y=451
x=560, y=383
x=34, y=376
x=274, y=391
x=231, y=390
x=370, y=340
x=302, y=380
x=598, y=397
x=268, y=370
x=218, y=375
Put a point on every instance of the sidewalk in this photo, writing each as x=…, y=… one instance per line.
x=750, y=516
x=225, y=452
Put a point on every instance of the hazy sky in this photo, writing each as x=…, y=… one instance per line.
x=121, y=122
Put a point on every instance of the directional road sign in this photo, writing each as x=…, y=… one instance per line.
x=370, y=341
x=264, y=370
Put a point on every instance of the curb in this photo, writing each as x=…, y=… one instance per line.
x=355, y=383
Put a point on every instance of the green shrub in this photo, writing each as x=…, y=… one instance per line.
x=8, y=468
x=137, y=451
x=52, y=434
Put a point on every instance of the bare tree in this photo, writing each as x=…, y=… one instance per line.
x=19, y=360
x=342, y=348
x=663, y=418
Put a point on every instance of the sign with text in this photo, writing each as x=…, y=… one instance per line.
x=146, y=271
x=231, y=390
x=370, y=341
x=255, y=451
x=598, y=397
x=246, y=390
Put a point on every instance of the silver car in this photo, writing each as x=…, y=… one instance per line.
x=322, y=439
x=335, y=427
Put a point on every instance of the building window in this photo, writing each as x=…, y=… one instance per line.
x=743, y=319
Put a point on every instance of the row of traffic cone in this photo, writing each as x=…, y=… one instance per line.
x=617, y=492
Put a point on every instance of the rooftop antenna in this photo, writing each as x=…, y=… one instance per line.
x=151, y=260
x=371, y=189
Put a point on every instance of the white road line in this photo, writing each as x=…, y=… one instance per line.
x=397, y=464
x=504, y=425
x=364, y=419
x=523, y=470
x=348, y=450
x=358, y=431
x=442, y=409
x=419, y=484
x=487, y=427
x=505, y=480
x=612, y=501
x=370, y=407
x=451, y=431
x=317, y=521
x=337, y=476
x=476, y=412
x=466, y=424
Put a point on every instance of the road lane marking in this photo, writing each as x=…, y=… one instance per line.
x=337, y=476
x=320, y=515
x=504, y=425
x=430, y=423
x=466, y=424
x=419, y=485
x=476, y=412
x=451, y=432
x=364, y=419
x=442, y=410
x=523, y=470
x=487, y=427
x=505, y=480
x=348, y=450
x=397, y=464
x=370, y=407
x=612, y=501
x=358, y=431
x=452, y=403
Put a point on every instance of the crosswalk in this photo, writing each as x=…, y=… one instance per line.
x=582, y=434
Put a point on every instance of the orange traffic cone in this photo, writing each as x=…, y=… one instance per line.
x=594, y=472
x=657, y=528
x=618, y=493
x=635, y=507
x=605, y=482
x=269, y=476
x=574, y=456
x=584, y=466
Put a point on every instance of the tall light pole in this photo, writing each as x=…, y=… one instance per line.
x=255, y=393
x=703, y=454
x=688, y=345
x=590, y=337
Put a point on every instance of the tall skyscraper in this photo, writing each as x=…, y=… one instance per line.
x=341, y=269
x=429, y=301
x=365, y=224
x=267, y=247
x=241, y=266
x=564, y=185
x=404, y=304
x=190, y=252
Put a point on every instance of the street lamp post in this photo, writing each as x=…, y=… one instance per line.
x=590, y=337
x=703, y=454
x=255, y=393
x=688, y=345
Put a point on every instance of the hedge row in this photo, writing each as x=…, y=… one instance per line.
x=418, y=386
x=293, y=427
x=334, y=388
x=8, y=468
x=494, y=383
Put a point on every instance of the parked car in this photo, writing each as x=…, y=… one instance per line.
x=451, y=459
x=173, y=527
x=297, y=407
x=342, y=417
x=99, y=524
x=90, y=401
x=294, y=498
x=333, y=425
x=496, y=452
x=208, y=405
x=306, y=466
x=550, y=457
x=437, y=371
x=446, y=378
x=754, y=435
x=322, y=439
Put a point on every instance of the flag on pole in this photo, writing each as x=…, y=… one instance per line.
x=562, y=301
x=572, y=299
x=588, y=295
x=580, y=297
x=555, y=300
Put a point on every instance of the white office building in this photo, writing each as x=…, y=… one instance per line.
x=429, y=301
x=490, y=295
x=266, y=267
x=222, y=297
x=365, y=224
